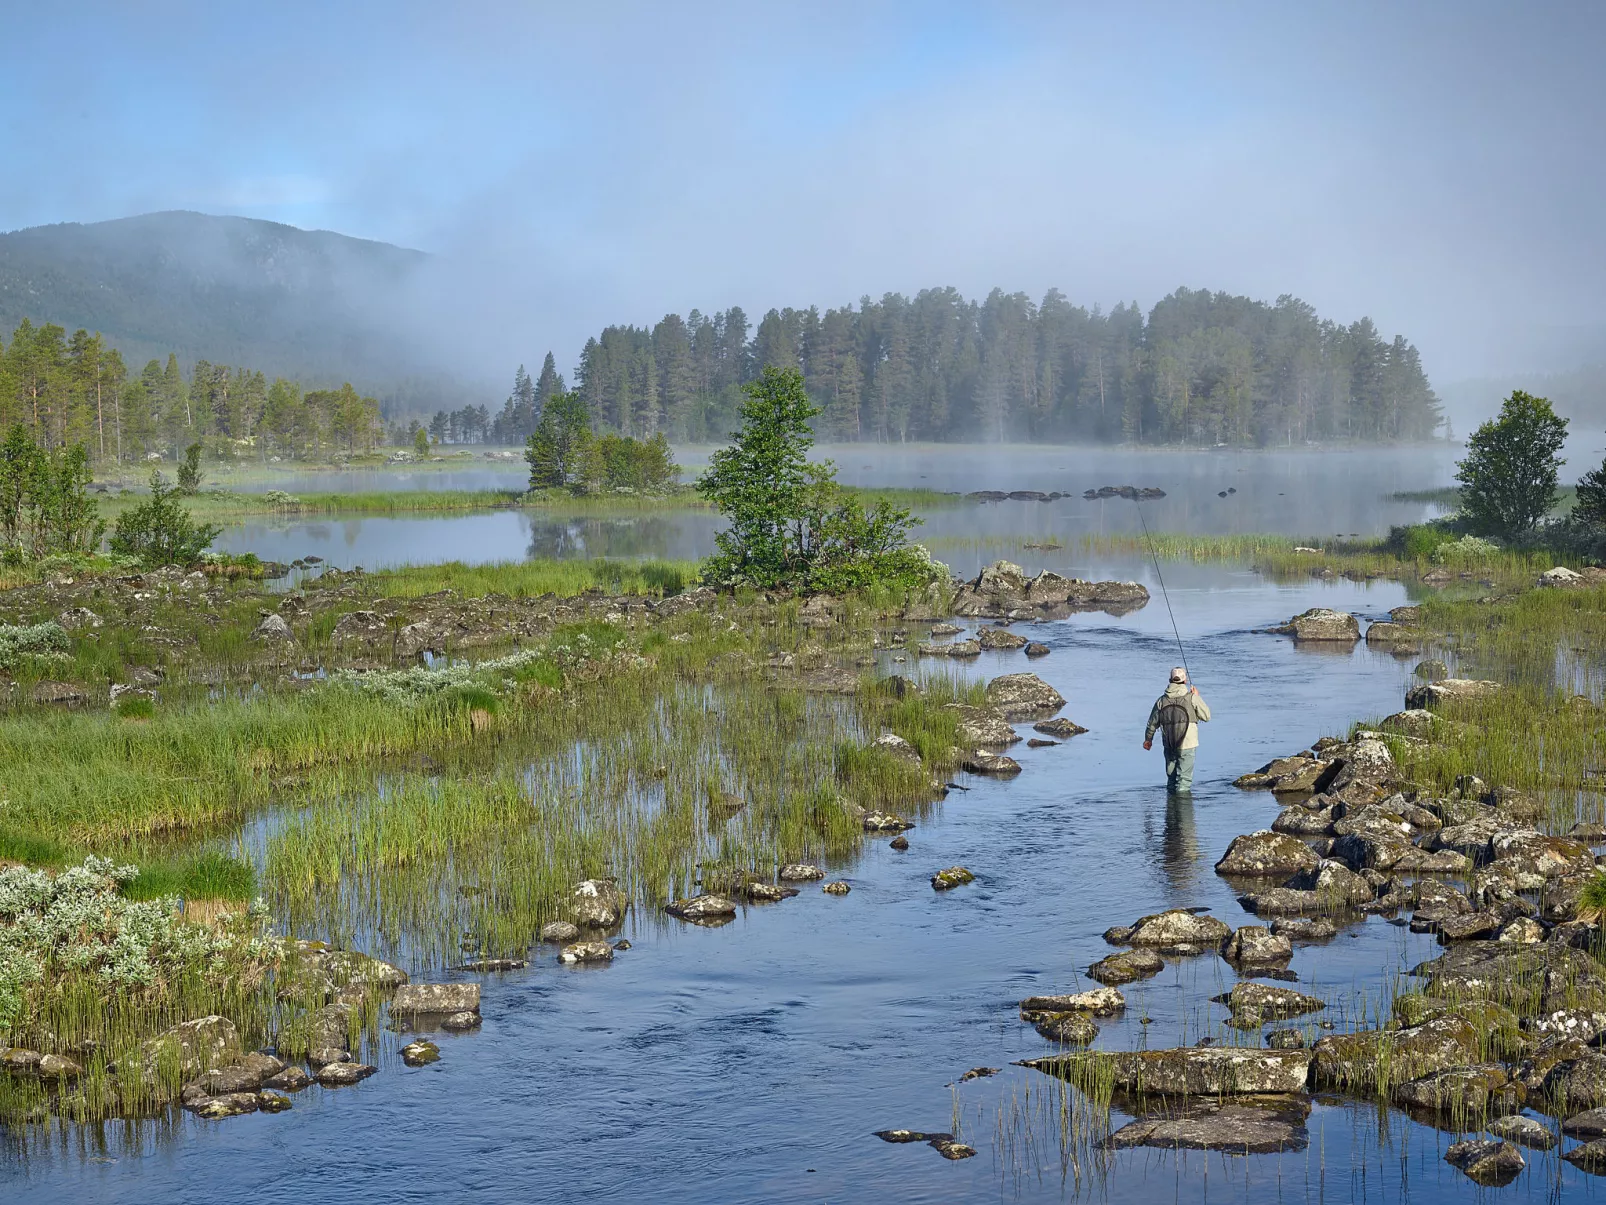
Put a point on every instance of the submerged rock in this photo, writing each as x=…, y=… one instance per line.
x=836, y=888
x=998, y=638
x=1034, y=649
x=1069, y=1028
x=885, y=822
x=800, y=872
x=943, y=1144
x=460, y=1022
x=1253, y=1126
x=560, y=931
x=215, y=1108
x=954, y=876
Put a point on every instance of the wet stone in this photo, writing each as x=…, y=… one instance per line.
x=559, y=931
x=215, y=1108
x=1260, y=1002
x=836, y=888
x=1286, y=1039
x=1266, y=854
x=1242, y=1126
x=338, y=1075
x=1178, y=927
x=978, y=1073
x=1254, y=945
x=1100, y=1002
x=1068, y=1028
x=291, y=1079
x=884, y=822
x=798, y=872
x=1127, y=967
x=898, y=843
x=586, y=952
x=460, y=1022
x=700, y=908
x=1589, y=1124
x=993, y=765
x=1591, y=1157
x=420, y=1053
x=1525, y=1131
x=1488, y=1161
x=954, y=876
x=1060, y=727
x=272, y=1102
x=1190, y=1070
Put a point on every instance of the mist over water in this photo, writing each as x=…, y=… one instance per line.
x=1305, y=494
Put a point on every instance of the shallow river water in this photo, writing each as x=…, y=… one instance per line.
x=752, y=1062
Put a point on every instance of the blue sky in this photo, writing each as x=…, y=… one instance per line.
x=1435, y=165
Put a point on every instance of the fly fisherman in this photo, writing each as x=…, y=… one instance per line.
x=1177, y=714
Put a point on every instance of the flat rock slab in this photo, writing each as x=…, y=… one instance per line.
x=1188, y=1071
x=442, y=998
x=1101, y=1002
x=944, y=1144
x=1240, y=1126
x=1256, y=1000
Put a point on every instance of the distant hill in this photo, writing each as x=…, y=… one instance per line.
x=307, y=304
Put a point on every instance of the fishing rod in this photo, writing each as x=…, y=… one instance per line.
x=1155, y=557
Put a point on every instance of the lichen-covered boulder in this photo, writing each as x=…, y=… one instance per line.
x=989, y=764
x=1023, y=696
x=581, y=952
x=1067, y=1028
x=1322, y=625
x=1450, y=691
x=1126, y=967
x=1255, y=945
x=1255, y=1127
x=1487, y=1161
x=983, y=726
x=1265, y=853
x=1462, y=1091
x=340, y=1075
x=954, y=876
x=1535, y=857
x=192, y=1047
x=597, y=904
x=1261, y=1002
x=702, y=907
x=1178, y=927
x=1334, y=881
x=1100, y=1002
x=1000, y=638
x=1351, y=1061
x=420, y=1053
x=1188, y=1071
x=1525, y=1131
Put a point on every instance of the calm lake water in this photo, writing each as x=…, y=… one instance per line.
x=752, y=1062
x=1307, y=494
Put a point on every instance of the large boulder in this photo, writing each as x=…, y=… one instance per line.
x=1529, y=978
x=1335, y=882
x=273, y=630
x=1450, y=691
x=1129, y=966
x=1100, y=1002
x=982, y=726
x=1393, y=637
x=192, y=1047
x=1258, y=1002
x=1321, y=625
x=1352, y=1061
x=1534, y=857
x=999, y=638
x=1188, y=1071
x=1265, y=853
x=597, y=904
x=1487, y=1161
x=1256, y=946
x=1178, y=927
x=1023, y=696
x=1463, y=1091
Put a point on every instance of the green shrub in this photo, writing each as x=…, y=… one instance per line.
x=1468, y=550
x=159, y=531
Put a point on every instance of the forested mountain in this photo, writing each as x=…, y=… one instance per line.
x=1201, y=368
x=304, y=304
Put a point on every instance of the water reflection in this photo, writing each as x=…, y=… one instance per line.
x=1179, y=848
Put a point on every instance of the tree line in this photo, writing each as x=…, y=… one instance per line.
x=68, y=390
x=1200, y=368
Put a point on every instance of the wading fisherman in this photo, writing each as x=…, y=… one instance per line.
x=1177, y=714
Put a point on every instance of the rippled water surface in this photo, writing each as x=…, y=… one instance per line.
x=752, y=1062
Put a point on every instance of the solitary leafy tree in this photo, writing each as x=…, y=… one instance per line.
x=190, y=475
x=557, y=452
x=159, y=531
x=760, y=483
x=1508, y=480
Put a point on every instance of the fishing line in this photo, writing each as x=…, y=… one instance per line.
x=1155, y=557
